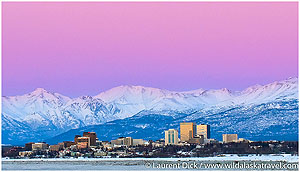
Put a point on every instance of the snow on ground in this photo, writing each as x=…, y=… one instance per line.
x=227, y=157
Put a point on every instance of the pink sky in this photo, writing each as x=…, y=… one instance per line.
x=85, y=48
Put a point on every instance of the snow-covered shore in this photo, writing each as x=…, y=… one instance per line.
x=227, y=157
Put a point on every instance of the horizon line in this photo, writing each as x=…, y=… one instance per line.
x=129, y=85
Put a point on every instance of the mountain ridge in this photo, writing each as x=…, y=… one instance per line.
x=46, y=111
x=201, y=90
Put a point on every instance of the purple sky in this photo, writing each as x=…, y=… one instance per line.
x=85, y=48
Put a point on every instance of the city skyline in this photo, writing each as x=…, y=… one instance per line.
x=86, y=48
x=89, y=146
x=150, y=86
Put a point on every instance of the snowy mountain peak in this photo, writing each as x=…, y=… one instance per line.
x=39, y=91
x=130, y=92
x=292, y=79
x=225, y=90
x=135, y=89
x=196, y=92
x=288, y=84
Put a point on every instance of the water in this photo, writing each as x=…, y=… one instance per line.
x=69, y=165
x=144, y=163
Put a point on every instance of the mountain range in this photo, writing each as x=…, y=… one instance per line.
x=259, y=112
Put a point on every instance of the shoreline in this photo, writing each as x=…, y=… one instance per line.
x=227, y=157
x=149, y=164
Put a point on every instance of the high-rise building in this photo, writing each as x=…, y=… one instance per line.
x=171, y=137
x=187, y=131
x=204, y=130
x=230, y=138
x=92, y=136
x=83, y=142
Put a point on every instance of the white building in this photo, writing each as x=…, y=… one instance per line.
x=171, y=137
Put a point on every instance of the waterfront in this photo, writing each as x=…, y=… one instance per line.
x=148, y=163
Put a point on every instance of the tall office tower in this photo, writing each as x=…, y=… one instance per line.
x=187, y=131
x=230, y=138
x=92, y=136
x=204, y=130
x=171, y=137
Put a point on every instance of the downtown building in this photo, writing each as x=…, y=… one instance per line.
x=28, y=146
x=128, y=141
x=76, y=138
x=40, y=146
x=204, y=130
x=171, y=137
x=136, y=142
x=227, y=138
x=55, y=148
x=86, y=140
x=192, y=133
x=66, y=144
x=187, y=131
x=92, y=136
x=83, y=142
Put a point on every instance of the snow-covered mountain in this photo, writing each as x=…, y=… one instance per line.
x=137, y=98
x=52, y=113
